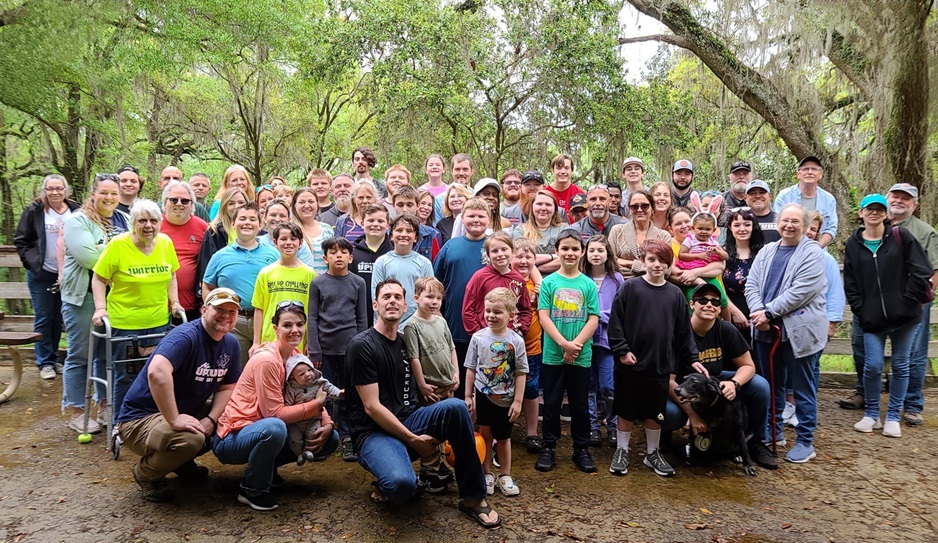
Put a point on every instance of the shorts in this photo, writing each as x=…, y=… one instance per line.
x=494, y=416
x=637, y=397
x=532, y=384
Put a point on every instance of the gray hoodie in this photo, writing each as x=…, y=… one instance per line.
x=296, y=393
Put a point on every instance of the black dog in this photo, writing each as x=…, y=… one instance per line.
x=726, y=420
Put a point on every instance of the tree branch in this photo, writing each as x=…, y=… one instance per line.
x=665, y=38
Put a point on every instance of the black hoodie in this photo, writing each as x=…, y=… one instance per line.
x=884, y=288
x=363, y=264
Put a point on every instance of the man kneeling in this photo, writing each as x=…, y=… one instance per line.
x=388, y=427
x=159, y=419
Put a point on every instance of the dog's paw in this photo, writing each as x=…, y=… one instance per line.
x=750, y=470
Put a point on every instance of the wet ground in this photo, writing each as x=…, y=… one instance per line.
x=860, y=488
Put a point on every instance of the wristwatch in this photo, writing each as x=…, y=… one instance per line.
x=769, y=315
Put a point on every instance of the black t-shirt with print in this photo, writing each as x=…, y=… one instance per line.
x=717, y=349
x=373, y=358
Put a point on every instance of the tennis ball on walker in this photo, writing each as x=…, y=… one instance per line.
x=84, y=439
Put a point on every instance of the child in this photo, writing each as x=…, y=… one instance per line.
x=498, y=273
x=403, y=263
x=432, y=356
x=650, y=336
x=496, y=366
x=458, y=260
x=337, y=313
x=285, y=280
x=429, y=240
x=568, y=309
x=303, y=385
x=523, y=263
x=702, y=248
x=369, y=248
x=600, y=265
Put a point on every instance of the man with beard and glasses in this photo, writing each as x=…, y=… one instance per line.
x=682, y=177
x=598, y=219
x=342, y=198
x=511, y=189
x=531, y=182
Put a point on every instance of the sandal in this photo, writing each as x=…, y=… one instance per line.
x=476, y=512
x=533, y=444
x=376, y=495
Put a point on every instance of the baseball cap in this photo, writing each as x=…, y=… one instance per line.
x=911, y=190
x=532, y=175
x=221, y=296
x=578, y=200
x=127, y=168
x=740, y=165
x=871, y=199
x=704, y=288
x=683, y=164
x=634, y=160
x=486, y=182
x=810, y=158
x=758, y=184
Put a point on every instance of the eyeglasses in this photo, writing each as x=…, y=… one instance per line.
x=290, y=303
x=639, y=207
x=224, y=296
x=511, y=182
x=55, y=189
x=703, y=300
x=177, y=201
x=810, y=169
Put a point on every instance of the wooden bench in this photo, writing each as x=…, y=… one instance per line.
x=15, y=330
x=12, y=340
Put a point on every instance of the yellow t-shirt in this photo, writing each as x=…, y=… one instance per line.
x=277, y=283
x=138, y=298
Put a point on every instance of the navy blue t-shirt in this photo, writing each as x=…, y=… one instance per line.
x=200, y=366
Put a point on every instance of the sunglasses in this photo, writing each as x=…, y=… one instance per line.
x=598, y=186
x=290, y=303
x=738, y=209
x=177, y=201
x=107, y=177
x=225, y=296
x=639, y=207
x=715, y=302
x=263, y=187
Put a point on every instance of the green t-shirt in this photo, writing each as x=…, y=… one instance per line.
x=432, y=343
x=570, y=302
x=138, y=298
x=277, y=283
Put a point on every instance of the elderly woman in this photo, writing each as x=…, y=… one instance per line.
x=36, y=239
x=85, y=235
x=743, y=242
x=253, y=428
x=542, y=229
x=305, y=211
x=236, y=176
x=626, y=239
x=140, y=269
x=785, y=292
x=724, y=354
x=351, y=225
x=662, y=205
x=453, y=200
x=886, y=274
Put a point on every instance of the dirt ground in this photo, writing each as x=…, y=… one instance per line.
x=860, y=488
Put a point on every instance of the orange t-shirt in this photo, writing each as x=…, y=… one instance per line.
x=532, y=340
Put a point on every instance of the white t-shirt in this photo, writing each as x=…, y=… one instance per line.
x=54, y=221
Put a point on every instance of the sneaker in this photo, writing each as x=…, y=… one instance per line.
x=613, y=439
x=793, y=421
x=47, y=372
x=620, y=462
x=780, y=443
x=565, y=413
x=191, y=472
x=157, y=491
x=432, y=484
x=913, y=419
x=445, y=474
x=495, y=461
x=788, y=412
x=508, y=486
x=867, y=425
x=545, y=462
x=59, y=367
x=800, y=454
x=853, y=401
x=892, y=429
x=304, y=457
x=489, y=484
x=657, y=462
x=78, y=424
x=262, y=502
x=760, y=454
x=596, y=439
x=348, y=450
x=584, y=461
x=533, y=444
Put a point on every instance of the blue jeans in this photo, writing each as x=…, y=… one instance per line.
x=48, y=310
x=122, y=378
x=263, y=446
x=601, y=386
x=77, y=319
x=859, y=352
x=532, y=383
x=754, y=394
x=333, y=370
x=389, y=459
x=875, y=345
x=806, y=374
x=918, y=364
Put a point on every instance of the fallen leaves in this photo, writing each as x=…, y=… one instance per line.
x=698, y=526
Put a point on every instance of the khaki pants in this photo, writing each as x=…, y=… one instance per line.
x=161, y=448
x=244, y=331
x=430, y=465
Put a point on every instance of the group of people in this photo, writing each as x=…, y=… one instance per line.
x=380, y=319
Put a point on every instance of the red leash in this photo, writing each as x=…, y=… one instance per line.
x=775, y=344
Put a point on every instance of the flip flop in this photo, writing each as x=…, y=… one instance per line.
x=476, y=512
x=376, y=495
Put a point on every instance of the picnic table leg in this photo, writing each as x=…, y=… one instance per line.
x=17, y=375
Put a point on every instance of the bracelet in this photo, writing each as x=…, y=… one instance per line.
x=215, y=422
x=735, y=382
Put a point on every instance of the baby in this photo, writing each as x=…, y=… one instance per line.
x=701, y=248
x=302, y=386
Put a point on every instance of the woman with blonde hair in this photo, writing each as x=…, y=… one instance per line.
x=351, y=225
x=542, y=228
x=236, y=176
x=453, y=200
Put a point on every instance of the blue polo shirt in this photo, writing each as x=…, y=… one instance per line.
x=236, y=268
